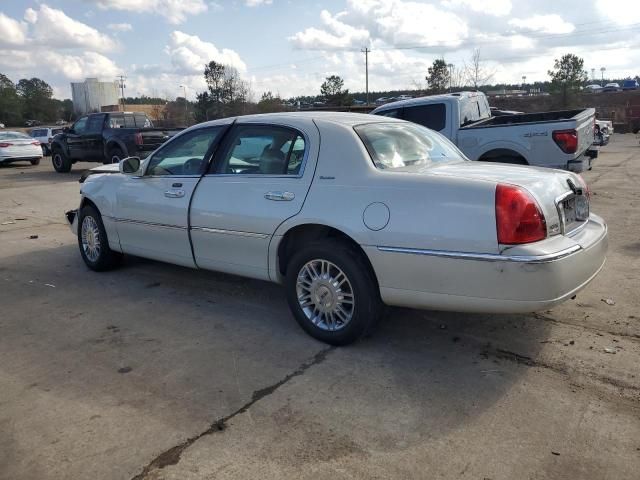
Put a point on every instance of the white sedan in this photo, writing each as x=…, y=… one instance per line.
x=18, y=146
x=348, y=212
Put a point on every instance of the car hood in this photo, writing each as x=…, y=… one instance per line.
x=109, y=168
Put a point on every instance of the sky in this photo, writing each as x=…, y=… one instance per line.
x=288, y=47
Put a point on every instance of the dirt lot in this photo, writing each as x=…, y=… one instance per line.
x=154, y=371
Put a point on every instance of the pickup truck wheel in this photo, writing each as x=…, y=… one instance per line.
x=61, y=163
x=45, y=150
x=114, y=155
x=93, y=241
x=332, y=293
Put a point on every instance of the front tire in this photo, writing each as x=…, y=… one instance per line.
x=61, y=163
x=114, y=156
x=332, y=292
x=93, y=241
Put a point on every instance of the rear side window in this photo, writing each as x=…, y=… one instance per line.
x=433, y=116
x=406, y=146
x=263, y=150
x=116, y=121
x=129, y=121
x=142, y=121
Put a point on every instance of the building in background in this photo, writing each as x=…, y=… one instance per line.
x=91, y=95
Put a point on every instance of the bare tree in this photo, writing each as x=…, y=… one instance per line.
x=476, y=73
x=457, y=77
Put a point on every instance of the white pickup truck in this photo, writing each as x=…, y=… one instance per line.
x=560, y=139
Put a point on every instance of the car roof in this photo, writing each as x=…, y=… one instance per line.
x=343, y=118
x=428, y=99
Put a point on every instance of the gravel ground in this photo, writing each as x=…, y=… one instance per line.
x=160, y=372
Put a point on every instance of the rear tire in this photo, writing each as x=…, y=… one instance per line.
x=332, y=292
x=114, y=156
x=61, y=163
x=45, y=150
x=35, y=161
x=93, y=241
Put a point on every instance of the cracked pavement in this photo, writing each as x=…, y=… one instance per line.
x=158, y=372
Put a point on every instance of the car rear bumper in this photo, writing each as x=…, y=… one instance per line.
x=583, y=163
x=529, y=278
x=27, y=158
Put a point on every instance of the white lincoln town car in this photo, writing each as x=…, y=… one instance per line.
x=347, y=211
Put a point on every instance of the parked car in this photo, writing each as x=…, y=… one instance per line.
x=1, y=125
x=32, y=123
x=107, y=138
x=347, y=211
x=404, y=97
x=61, y=122
x=17, y=147
x=594, y=88
x=382, y=100
x=549, y=139
x=612, y=87
x=630, y=84
x=45, y=135
x=602, y=132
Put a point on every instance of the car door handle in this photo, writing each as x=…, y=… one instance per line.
x=280, y=196
x=174, y=193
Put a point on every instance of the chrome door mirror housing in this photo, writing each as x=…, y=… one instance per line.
x=131, y=166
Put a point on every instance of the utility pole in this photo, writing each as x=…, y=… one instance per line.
x=450, y=66
x=366, y=51
x=602, y=70
x=185, y=104
x=121, y=79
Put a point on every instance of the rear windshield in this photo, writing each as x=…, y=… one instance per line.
x=405, y=146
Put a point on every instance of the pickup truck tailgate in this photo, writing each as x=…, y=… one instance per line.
x=584, y=127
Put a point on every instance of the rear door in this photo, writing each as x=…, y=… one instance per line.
x=260, y=178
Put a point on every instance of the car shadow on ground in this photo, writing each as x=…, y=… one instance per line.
x=186, y=347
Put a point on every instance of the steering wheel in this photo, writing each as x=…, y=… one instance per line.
x=192, y=166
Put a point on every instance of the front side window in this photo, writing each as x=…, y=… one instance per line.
x=406, y=146
x=263, y=150
x=393, y=113
x=186, y=154
x=433, y=116
x=80, y=126
x=94, y=124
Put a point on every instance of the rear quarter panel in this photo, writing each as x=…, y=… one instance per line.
x=425, y=212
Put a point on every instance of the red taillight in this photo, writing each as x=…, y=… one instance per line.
x=35, y=143
x=567, y=140
x=518, y=216
x=5, y=145
x=138, y=138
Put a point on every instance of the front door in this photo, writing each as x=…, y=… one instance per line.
x=152, y=210
x=93, y=138
x=259, y=179
x=75, y=139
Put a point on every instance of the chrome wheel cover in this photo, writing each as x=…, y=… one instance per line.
x=90, y=235
x=325, y=295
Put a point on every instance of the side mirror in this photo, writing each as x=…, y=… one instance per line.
x=130, y=166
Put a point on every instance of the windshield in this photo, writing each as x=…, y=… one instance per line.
x=405, y=146
x=8, y=135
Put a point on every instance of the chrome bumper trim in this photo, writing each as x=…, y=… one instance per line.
x=486, y=257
